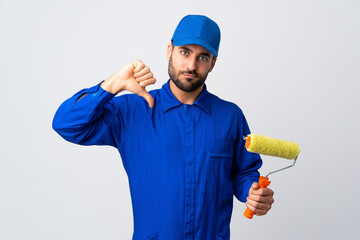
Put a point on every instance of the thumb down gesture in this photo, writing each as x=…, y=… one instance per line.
x=133, y=77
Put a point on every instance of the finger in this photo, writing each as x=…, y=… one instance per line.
x=249, y=206
x=145, y=77
x=258, y=208
x=142, y=71
x=258, y=205
x=138, y=65
x=263, y=192
x=255, y=186
x=257, y=198
x=255, y=210
x=147, y=97
x=148, y=82
x=266, y=200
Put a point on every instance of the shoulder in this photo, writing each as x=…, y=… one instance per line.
x=224, y=106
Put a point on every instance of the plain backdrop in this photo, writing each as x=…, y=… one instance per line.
x=293, y=67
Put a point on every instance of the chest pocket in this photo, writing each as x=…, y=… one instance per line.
x=220, y=160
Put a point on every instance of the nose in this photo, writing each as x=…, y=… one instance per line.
x=191, y=65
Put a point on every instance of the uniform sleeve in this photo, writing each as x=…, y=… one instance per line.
x=94, y=119
x=245, y=171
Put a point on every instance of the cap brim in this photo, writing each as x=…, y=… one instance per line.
x=197, y=41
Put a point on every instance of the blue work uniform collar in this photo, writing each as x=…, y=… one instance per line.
x=168, y=100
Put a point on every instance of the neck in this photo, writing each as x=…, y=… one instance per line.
x=185, y=97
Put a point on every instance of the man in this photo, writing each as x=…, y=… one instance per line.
x=181, y=146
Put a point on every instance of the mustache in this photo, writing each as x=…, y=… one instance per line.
x=190, y=72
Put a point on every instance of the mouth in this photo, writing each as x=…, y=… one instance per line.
x=188, y=75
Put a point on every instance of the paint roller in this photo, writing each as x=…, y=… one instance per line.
x=271, y=147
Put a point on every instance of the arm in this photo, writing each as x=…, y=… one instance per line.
x=245, y=182
x=134, y=77
x=90, y=116
x=246, y=164
x=88, y=121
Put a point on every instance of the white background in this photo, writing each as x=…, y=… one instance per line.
x=292, y=66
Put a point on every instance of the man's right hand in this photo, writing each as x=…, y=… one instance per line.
x=133, y=77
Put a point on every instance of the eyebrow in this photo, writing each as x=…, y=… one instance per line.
x=203, y=53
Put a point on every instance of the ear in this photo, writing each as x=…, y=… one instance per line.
x=213, y=64
x=168, y=51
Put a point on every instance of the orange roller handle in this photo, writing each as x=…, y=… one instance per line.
x=263, y=183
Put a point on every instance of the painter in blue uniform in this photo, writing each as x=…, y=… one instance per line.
x=181, y=146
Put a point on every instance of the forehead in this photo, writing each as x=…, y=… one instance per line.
x=194, y=48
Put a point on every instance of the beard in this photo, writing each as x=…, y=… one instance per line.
x=190, y=84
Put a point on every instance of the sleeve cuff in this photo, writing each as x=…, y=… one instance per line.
x=95, y=95
x=241, y=191
x=98, y=90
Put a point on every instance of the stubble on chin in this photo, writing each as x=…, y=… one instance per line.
x=191, y=84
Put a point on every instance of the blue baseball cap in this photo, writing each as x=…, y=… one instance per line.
x=200, y=30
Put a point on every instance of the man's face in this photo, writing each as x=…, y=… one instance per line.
x=189, y=65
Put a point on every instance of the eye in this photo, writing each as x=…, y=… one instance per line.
x=183, y=52
x=203, y=58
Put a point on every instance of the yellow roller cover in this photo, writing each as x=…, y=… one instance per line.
x=271, y=146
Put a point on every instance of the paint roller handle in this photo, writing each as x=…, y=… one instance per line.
x=263, y=183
